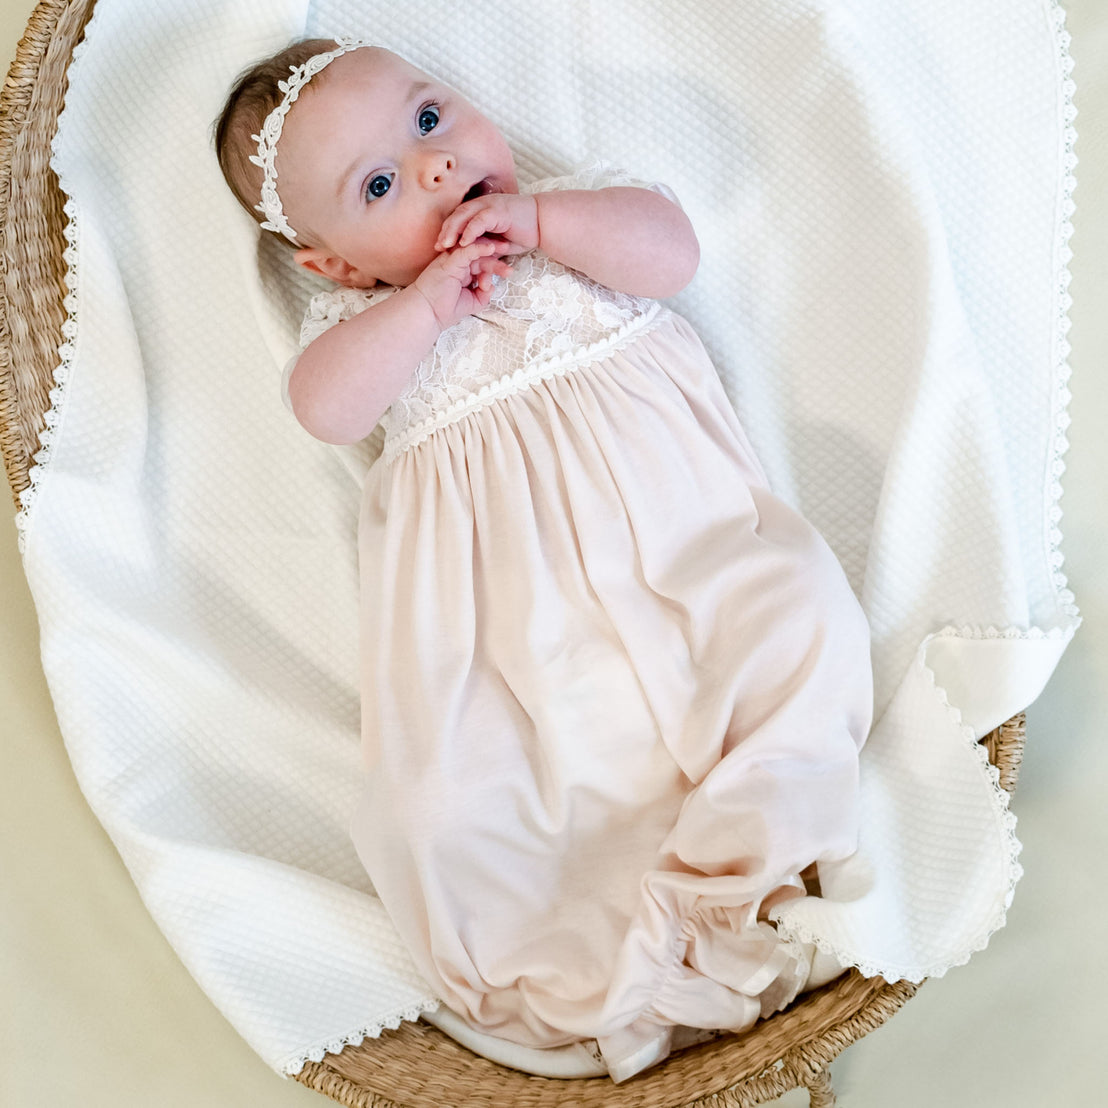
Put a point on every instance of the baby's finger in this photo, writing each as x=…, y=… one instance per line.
x=469, y=229
x=489, y=261
x=479, y=249
x=463, y=257
x=476, y=227
x=450, y=232
x=506, y=246
x=492, y=265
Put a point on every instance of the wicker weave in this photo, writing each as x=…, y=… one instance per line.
x=415, y=1066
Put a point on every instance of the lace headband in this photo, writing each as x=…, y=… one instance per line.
x=270, y=206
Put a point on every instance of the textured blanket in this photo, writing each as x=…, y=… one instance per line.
x=882, y=194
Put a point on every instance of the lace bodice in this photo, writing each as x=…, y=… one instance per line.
x=544, y=319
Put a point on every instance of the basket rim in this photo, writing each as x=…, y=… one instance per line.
x=16, y=98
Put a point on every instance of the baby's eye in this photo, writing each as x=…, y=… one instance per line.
x=428, y=119
x=378, y=185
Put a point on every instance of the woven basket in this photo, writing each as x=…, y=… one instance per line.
x=415, y=1066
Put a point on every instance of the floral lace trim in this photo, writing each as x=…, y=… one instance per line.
x=1060, y=394
x=542, y=369
x=52, y=417
x=315, y=1053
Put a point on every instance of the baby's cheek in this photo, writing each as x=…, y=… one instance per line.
x=420, y=245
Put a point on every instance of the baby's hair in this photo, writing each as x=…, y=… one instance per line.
x=254, y=95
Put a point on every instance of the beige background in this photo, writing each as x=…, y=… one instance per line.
x=95, y=1009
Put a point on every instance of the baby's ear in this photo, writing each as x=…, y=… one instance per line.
x=326, y=264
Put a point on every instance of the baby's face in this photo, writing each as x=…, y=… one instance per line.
x=371, y=161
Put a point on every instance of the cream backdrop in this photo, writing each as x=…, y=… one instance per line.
x=98, y=1011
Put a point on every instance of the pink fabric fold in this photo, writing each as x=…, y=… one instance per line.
x=614, y=696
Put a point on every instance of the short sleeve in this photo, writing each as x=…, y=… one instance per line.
x=325, y=309
x=597, y=175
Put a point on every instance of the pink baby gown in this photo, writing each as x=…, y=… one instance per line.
x=613, y=689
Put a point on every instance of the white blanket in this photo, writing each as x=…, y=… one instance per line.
x=882, y=196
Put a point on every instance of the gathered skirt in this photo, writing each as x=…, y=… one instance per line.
x=614, y=692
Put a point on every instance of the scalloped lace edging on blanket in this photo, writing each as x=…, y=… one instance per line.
x=52, y=417
x=1060, y=394
x=316, y=1052
x=999, y=802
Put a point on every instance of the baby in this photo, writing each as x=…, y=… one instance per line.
x=613, y=689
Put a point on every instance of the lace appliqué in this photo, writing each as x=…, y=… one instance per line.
x=544, y=320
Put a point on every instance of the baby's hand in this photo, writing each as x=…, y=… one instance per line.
x=459, y=282
x=511, y=217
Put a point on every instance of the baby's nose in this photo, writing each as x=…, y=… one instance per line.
x=437, y=166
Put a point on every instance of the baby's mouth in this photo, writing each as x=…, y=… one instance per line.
x=482, y=188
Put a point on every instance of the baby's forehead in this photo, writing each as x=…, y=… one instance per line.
x=376, y=64
x=367, y=78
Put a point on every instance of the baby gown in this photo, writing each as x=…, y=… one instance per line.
x=613, y=689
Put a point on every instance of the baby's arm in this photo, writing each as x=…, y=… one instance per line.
x=346, y=378
x=630, y=239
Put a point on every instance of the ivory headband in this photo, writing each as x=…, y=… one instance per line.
x=270, y=206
